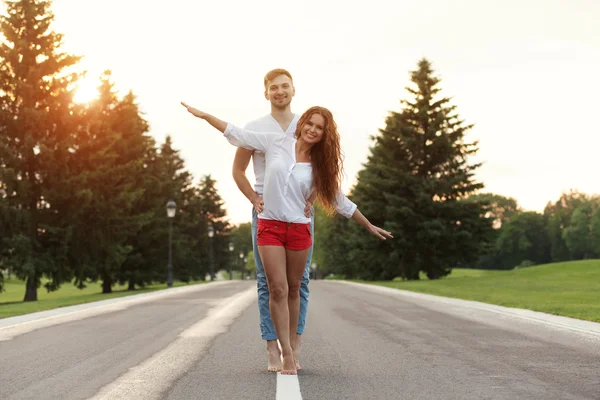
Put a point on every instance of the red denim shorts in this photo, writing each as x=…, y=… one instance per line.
x=290, y=235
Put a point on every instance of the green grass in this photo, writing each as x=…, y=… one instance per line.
x=11, y=300
x=570, y=289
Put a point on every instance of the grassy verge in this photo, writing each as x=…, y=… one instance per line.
x=569, y=289
x=11, y=300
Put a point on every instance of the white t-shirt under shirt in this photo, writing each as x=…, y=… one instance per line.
x=286, y=184
x=266, y=124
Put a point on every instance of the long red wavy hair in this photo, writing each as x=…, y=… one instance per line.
x=326, y=159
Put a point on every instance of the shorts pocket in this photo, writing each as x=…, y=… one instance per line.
x=307, y=227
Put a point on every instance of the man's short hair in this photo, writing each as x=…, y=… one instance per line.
x=275, y=73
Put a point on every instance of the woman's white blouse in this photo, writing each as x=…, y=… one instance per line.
x=288, y=183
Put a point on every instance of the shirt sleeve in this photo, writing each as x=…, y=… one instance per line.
x=249, y=139
x=344, y=205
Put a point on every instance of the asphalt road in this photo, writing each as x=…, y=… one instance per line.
x=359, y=344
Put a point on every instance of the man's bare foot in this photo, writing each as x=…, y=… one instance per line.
x=289, y=367
x=296, y=349
x=274, y=360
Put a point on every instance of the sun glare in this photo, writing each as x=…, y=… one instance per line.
x=86, y=91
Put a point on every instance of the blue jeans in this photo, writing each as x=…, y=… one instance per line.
x=266, y=324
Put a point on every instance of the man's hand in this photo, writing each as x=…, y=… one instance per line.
x=258, y=203
x=308, y=209
x=380, y=233
x=194, y=111
x=309, y=202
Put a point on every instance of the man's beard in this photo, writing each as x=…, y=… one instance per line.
x=281, y=106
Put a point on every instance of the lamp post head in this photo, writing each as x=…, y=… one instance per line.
x=171, y=208
x=230, y=246
x=211, y=231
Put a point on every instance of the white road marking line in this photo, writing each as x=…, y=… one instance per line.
x=82, y=311
x=556, y=321
x=288, y=386
x=150, y=379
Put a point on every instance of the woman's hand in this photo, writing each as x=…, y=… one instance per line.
x=380, y=233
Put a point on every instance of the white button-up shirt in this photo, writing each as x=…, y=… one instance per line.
x=287, y=183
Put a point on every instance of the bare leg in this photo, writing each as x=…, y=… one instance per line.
x=274, y=261
x=296, y=262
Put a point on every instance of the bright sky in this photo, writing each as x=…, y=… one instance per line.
x=525, y=72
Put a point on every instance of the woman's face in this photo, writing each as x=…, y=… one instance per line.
x=314, y=129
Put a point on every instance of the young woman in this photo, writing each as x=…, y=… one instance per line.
x=298, y=169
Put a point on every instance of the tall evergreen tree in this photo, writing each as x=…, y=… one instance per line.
x=204, y=206
x=412, y=184
x=35, y=109
x=166, y=179
x=136, y=148
x=110, y=151
x=332, y=245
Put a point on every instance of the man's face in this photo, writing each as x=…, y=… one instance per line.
x=280, y=91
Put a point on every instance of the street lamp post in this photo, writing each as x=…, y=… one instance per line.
x=171, y=208
x=211, y=233
x=242, y=262
x=231, y=246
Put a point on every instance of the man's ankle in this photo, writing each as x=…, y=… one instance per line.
x=272, y=345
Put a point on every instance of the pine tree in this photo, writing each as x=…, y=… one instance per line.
x=203, y=206
x=110, y=152
x=166, y=179
x=135, y=148
x=413, y=184
x=35, y=127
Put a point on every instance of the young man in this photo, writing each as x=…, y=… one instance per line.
x=279, y=91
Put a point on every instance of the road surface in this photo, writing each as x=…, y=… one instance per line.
x=203, y=343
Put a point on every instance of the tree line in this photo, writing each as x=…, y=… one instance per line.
x=418, y=183
x=83, y=188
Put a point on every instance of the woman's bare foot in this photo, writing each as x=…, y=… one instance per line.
x=289, y=365
x=274, y=360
